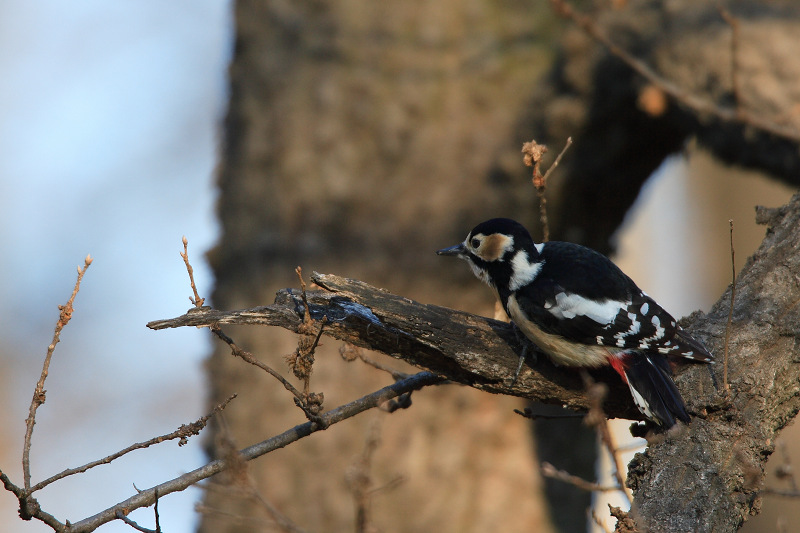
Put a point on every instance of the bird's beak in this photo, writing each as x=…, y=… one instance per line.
x=457, y=250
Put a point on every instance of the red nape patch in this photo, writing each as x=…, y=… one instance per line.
x=619, y=363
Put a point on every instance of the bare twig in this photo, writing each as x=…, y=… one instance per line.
x=725, y=386
x=596, y=417
x=182, y=433
x=528, y=413
x=197, y=301
x=28, y=506
x=734, y=24
x=533, y=153
x=147, y=497
x=121, y=516
x=558, y=160
x=65, y=314
x=351, y=353
x=248, y=357
x=301, y=361
x=155, y=511
x=359, y=478
x=280, y=519
x=548, y=470
x=307, y=320
x=688, y=99
x=301, y=400
x=249, y=490
x=240, y=482
x=784, y=493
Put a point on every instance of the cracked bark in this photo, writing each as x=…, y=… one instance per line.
x=705, y=478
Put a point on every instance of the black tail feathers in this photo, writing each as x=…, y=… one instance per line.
x=656, y=396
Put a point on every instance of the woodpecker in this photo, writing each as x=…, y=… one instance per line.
x=583, y=311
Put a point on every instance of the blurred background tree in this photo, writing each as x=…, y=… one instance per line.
x=362, y=136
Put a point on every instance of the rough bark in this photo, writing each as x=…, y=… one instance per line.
x=703, y=478
x=708, y=479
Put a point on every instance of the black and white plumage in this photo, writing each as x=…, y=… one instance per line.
x=582, y=310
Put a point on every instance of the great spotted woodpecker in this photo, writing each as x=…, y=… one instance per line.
x=583, y=311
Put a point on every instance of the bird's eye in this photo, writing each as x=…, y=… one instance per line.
x=475, y=242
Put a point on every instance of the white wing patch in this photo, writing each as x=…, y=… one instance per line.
x=524, y=271
x=569, y=305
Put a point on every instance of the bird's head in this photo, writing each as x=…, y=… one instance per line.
x=493, y=248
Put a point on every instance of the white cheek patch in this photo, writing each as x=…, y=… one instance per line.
x=570, y=305
x=524, y=271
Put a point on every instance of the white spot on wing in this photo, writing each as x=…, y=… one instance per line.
x=645, y=308
x=633, y=330
x=539, y=247
x=570, y=305
x=524, y=271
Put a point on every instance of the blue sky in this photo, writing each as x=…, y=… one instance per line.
x=110, y=123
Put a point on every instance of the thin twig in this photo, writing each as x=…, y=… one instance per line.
x=280, y=519
x=619, y=469
x=532, y=157
x=121, y=516
x=533, y=153
x=307, y=320
x=65, y=314
x=548, y=470
x=182, y=433
x=197, y=301
x=734, y=24
x=528, y=413
x=370, y=401
x=155, y=510
x=784, y=493
x=237, y=493
x=350, y=353
x=241, y=484
x=248, y=357
x=359, y=478
x=725, y=386
x=302, y=360
x=697, y=103
x=558, y=159
x=596, y=417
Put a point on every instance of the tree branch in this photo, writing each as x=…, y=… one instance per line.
x=466, y=348
x=148, y=497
